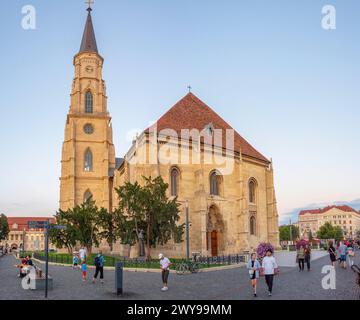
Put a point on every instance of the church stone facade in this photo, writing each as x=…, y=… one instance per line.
x=226, y=184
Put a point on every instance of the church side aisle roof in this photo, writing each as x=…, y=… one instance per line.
x=192, y=113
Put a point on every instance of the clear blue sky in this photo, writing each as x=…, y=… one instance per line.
x=267, y=67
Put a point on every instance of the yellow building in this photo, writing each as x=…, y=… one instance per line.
x=343, y=216
x=227, y=184
x=25, y=234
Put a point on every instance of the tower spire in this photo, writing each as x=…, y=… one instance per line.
x=88, y=43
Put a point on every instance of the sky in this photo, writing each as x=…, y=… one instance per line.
x=283, y=82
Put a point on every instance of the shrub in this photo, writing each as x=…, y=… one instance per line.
x=263, y=248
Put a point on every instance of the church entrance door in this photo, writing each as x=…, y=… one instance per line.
x=214, y=243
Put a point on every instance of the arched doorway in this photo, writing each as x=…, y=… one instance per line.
x=14, y=246
x=215, y=231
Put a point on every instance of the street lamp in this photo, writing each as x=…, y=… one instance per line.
x=187, y=231
x=23, y=242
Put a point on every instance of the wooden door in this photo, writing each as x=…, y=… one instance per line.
x=214, y=243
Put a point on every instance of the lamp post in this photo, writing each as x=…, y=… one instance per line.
x=290, y=231
x=187, y=231
x=23, y=242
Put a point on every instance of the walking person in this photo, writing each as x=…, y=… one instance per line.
x=82, y=254
x=308, y=256
x=99, y=265
x=254, y=271
x=300, y=257
x=270, y=267
x=351, y=254
x=83, y=270
x=342, y=251
x=332, y=253
x=75, y=262
x=165, y=270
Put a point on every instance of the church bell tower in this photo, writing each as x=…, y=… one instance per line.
x=88, y=153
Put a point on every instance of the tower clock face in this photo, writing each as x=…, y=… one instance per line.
x=89, y=69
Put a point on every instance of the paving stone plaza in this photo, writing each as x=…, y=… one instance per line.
x=230, y=284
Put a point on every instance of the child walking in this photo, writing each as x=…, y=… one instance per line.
x=75, y=261
x=83, y=270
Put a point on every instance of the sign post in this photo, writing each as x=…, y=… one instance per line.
x=47, y=228
x=46, y=257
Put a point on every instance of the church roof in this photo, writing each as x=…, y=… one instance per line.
x=192, y=113
x=25, y=223
x=344, y=208
x=88, y=43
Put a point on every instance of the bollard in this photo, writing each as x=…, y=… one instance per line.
x=119, y=278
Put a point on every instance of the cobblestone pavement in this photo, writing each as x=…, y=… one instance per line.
x=230, y=284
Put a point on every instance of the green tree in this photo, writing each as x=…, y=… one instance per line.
x=284, y=233
x=106, y=223
x=338, y=233
x=64, y=238
x=80, y=223
x=130, y=213
x=4, y=227
x=148, y=208
x=328, y=231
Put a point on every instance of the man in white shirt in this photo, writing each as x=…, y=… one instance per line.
x=165, y=270
x=82, y=254
x=269, y=265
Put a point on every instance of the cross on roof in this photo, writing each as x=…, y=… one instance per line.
x=189, y=87
x=89, y=3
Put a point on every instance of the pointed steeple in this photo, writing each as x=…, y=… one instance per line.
x=88, y=43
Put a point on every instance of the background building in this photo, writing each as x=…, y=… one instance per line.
x=26, y=228
x=343, y=216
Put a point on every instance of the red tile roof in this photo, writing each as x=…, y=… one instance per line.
x=23, y=222
x=323, y=210
x=192, y=113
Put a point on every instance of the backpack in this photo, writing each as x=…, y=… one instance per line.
x=97, y=261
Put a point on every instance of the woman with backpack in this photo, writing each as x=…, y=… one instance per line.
x=300, y=257
x=99, y=265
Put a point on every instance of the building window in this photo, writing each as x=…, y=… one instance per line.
x=88, y=102
x=88, y=196
x=253, y=226
x=252, y=191
x=215, y=180
x=88, y=161
x=174, y=183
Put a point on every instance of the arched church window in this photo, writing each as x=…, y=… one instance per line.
x=215, y=180
x=89, y=102
x=87, y=196
x=253, y=226
x=252, y=191
x=88, y=161
x=174, y=182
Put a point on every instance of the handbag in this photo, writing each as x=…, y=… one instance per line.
x=262, y=272
x=276, y=271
